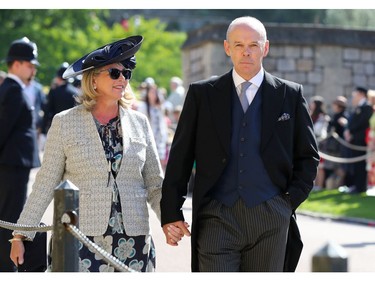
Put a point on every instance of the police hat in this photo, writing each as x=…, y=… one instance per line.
x=361, y=90
x=121, y=51
x=24, y=50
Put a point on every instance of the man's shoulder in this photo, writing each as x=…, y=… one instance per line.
x=270, y=78
x=9, y=83
x=206, y=81
x=10, y=89
x=214, y=80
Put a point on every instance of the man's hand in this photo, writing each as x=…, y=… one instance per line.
x=175, y=231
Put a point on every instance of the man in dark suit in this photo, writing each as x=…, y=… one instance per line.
x=254, y=166
x=18, y=139
x=62, y=97
x=34, y=90
x=355, y=134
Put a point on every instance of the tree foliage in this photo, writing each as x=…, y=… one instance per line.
x=160, y=54
x=363, y=19
x=67, y=35
x=60, y=35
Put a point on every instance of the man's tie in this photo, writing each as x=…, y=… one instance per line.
x=243, y=99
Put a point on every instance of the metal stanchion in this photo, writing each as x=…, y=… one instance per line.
x=65, y=246
x=331, y=258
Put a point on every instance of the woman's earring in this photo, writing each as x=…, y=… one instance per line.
x=94, y=87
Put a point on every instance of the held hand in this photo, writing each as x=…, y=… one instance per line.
x=175, y=231
x=17, y=252
x=347, y=135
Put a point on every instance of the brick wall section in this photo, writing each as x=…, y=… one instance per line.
x=327, y=61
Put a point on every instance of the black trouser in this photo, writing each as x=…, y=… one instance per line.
x=13, y=192
x=356, y=174
x=238, y=238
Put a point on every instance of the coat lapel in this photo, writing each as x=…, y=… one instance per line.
x=219, y=96
x=92, y=134
x=273, y=94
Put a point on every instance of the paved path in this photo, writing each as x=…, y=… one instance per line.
x=357, y=240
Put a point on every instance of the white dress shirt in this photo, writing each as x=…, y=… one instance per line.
x=256, y=81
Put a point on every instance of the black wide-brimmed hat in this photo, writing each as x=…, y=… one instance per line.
x=23, y=50
x=121, y=51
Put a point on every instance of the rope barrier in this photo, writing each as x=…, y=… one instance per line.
x=21, y=227
x=342, y=142
x=347, y=144
x=116, y=263
x=342, y=160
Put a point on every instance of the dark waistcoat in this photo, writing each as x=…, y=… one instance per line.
x=245, y=175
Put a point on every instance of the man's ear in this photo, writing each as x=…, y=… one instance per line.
x=226, y=48
x=266, y=48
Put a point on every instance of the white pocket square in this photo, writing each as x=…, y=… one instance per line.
x=284, y=117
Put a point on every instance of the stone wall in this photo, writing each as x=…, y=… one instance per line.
x=326, y=61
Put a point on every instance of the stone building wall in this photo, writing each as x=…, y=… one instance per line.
x=326, y=61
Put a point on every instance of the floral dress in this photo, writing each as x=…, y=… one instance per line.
x=137, y=252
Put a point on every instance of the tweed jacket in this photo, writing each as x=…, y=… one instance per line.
x=74, y=152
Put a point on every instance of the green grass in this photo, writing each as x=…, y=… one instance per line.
x=335, y=203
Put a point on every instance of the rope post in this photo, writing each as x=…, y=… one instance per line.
x=64, y=245
x=331, y=258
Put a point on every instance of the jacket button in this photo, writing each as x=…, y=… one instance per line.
x=224, y=160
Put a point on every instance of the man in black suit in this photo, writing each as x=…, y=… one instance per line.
x=18, y=139
x=355, y=134
x=254, y=166
x=62, y=97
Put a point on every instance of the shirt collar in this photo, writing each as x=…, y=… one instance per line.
x=256, y=80
x=362, y=102
x=17, y=79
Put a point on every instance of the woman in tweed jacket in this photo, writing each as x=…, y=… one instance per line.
x=107, y=150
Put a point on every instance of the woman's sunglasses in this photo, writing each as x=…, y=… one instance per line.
x=114, y=73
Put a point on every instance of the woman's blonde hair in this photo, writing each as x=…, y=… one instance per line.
x=89, y=95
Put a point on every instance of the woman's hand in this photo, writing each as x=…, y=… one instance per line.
x=17, y=251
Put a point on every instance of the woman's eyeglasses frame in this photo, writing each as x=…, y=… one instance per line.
x=114, y=73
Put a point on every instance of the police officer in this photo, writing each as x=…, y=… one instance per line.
x=18, y=139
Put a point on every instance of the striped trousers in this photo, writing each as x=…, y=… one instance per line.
x=242, y=239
